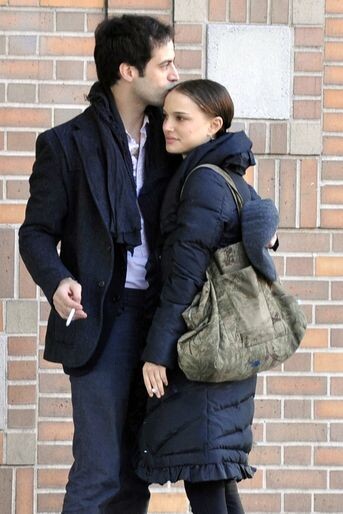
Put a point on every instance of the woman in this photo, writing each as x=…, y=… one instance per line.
x=196, y=432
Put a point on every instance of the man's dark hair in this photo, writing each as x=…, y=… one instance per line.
x=130, y=39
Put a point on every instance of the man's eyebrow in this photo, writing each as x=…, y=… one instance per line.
x=167, y=61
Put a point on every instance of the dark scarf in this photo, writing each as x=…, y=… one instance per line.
x=125, y=224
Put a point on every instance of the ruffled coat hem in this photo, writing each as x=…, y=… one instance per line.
x=196, y=473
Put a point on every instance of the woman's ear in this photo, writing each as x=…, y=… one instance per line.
x=216, y=125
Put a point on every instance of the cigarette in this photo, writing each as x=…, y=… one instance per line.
x=70, y=317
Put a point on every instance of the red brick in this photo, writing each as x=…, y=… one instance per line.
x=257, y=134
x=298, y=409
x=304, y=242
x=337, y=338
x=298, y=455
x=333, y=51
x=328, y=363
x=26, y=69
x=6, y=481
x=328, y=314
x=329, y=266
x=27, y=21
x=52, y=478
x=333, y=75
x=287, y=206
x=264, y=455
x=307, y=109
x=308, y=289
x=54, y=383
x=70, y=21
x=188, y=33
x=294, y=432
x=22, y=45
x=308, y=36
x=21, y=370
x=307, y=85
x=297, y=502
x=25, y=116
x=336, y=479
x=261, y=502
x=315, y=338
x=333, y=99
x=332, y=194
x=296, y=479
x=280, y=11
x=21, y=394
x=7, y=263
x=62, y=45
x=331, y=218
x=188, y=59
x=11, y=213
x=308, y=193
x=332, y=170
x=217, y=10
x=278, y=138
x=1, y=447
x=69, y=70
x=334, y=27
x=238, y=10
x=303, y=386
x=76, y=3
x=17, y=189
x=169, y=502
x=55, y=407
x=258, y=11
x=300, y=266
x=266, y=178
x=27, y=288
x=21, y=346
x=333, y=122
x=298, y=362
x=334, y=7
x=24, y=491
x=328, y=409
x=55, y=431
x=324, y=456
x=49, y=502
x=308, y=61
x=267, y=409
x=21, y=141
x=63, y=94
x=21, y=418
x=55, y=454
x=16, y=165
x=327, y=503
x=336, y=386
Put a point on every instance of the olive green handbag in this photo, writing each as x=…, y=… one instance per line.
x=239, y=323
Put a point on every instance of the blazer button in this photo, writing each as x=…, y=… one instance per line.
x=116, y=298
x=101, y=283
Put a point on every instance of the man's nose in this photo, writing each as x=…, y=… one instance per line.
x=173, y=75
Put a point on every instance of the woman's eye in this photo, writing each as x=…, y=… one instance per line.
x=180, y=118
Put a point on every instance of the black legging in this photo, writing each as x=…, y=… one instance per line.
x=217, y=497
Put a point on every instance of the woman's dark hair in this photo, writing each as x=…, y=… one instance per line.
x=130, y=39
x=211, y=97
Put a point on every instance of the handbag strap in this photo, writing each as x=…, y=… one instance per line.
x=228, y=179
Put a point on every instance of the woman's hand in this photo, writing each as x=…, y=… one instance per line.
x=155, y=378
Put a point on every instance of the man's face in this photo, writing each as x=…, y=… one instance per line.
x=159, y=76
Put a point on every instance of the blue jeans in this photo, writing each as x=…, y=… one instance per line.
x=108, y=405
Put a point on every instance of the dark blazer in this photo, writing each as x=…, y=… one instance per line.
x=197, y=431
x=69, y=205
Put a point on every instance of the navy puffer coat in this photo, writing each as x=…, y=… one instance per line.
x=197, y=431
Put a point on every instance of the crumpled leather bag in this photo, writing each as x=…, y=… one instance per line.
x=239, y=323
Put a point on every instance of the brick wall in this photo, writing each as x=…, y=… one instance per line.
x=45, y=69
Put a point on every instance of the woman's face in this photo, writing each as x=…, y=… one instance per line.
x=185, y=125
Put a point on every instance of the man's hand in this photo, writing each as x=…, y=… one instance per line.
x=67, y=297
x=155, y=378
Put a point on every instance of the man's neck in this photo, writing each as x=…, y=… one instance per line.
x=131, y=111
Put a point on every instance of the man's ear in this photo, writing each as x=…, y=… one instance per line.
x=127, y=71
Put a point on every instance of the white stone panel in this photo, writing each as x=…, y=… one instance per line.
x=306, y=138
x=254, y=63
x=308, y=12
x=190, y=10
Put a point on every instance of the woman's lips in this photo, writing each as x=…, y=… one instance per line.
x=170, y=140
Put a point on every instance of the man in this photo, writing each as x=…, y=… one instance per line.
x=83, y=194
